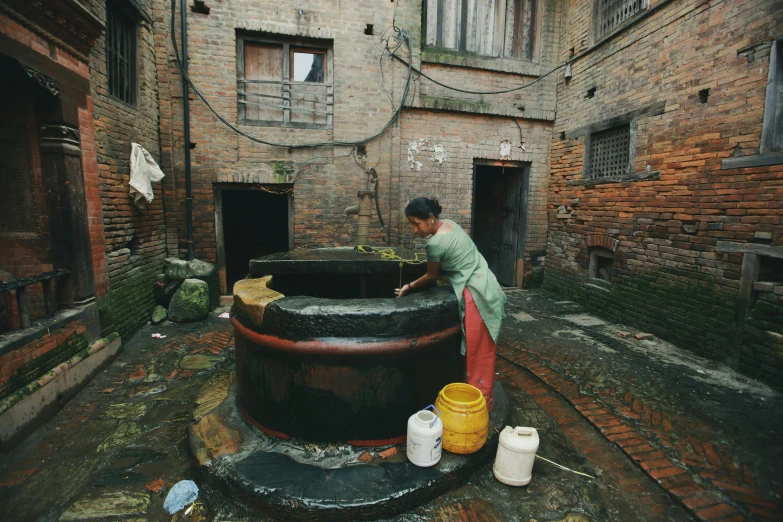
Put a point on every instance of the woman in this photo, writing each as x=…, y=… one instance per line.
x=481, y=300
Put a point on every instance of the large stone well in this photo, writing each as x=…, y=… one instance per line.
x=325, y=352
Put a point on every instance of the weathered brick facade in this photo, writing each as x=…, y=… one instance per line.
x=468, y=127
x=20, y=366
x=687, y=77
x=671, y=275
x=135, y=241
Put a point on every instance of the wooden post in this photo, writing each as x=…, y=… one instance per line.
x=51, y=306
x=64, y=292
x=21, y=305
x=748, y=276
x=61, y=164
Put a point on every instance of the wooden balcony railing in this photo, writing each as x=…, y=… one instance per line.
x=60, y=297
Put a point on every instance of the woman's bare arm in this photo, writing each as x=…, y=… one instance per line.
x=433, y=271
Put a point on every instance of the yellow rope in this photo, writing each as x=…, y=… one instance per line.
x=389, y=253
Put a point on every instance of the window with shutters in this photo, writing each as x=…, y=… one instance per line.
x=492, y=28
x=284, y=83
x=609, y=153
x=610, y=15
x=122, y=29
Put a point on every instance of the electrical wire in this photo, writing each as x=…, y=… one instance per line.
x=467, y=91
x=402, y=37
x=301, y=167
x=400, y=34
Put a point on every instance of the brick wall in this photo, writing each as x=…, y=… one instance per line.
x=762, y=342
x=32, y=360
x=465, y=138
x=133, y=242
x=330, y=179
x=668, y=276
x=27, y=254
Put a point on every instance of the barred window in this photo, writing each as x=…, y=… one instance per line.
x=609, y=153
x=610, y=14
x=121, y=42
x=496, y=28
x=284, y=83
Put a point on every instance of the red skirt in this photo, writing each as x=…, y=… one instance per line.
x=480, y=350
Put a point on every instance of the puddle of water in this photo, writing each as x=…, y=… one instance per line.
x=582, y=337
x=583, y=320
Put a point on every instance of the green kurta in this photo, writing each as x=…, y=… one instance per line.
x=462, y=263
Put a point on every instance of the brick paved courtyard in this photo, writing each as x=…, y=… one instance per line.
x=666, y=439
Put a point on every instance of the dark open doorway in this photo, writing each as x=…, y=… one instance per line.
x=498, y=218
x=255, y=224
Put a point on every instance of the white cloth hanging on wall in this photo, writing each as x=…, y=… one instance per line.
x=144, y=172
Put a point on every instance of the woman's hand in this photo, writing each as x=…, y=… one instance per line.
x=406, y=288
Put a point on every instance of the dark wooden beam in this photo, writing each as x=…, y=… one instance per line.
x=65, y=22
x=753, y=248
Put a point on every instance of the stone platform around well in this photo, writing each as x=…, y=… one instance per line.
x=299, y=480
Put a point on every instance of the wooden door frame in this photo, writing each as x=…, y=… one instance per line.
x=218, y=189
x=524, y=168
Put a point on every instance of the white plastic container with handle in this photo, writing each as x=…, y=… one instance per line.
x=516, y=453
x=425, y=437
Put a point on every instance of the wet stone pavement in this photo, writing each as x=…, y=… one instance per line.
x=666, y=438
x=708, y=436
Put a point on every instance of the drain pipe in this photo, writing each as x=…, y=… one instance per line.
x=186, y=123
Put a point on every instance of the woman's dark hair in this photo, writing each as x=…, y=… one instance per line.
x=422, y=208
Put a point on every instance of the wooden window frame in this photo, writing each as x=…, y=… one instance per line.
x=772, y=121
x=128, y=14
x=289, y=45
x=592, y=276
x=588, y=155
x=306, y=50
x=535, y=28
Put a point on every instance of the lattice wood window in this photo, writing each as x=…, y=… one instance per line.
x=610, y=153
x=122, y=28
x=284, y=84
x=611, y=14
x=485, y=27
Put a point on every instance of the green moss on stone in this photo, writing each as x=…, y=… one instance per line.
x=281, y=169
x=40, y=365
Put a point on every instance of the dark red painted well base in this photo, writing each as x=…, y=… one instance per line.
x=348, y=369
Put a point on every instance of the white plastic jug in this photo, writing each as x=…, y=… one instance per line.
x=516, y=453
x=425, y=434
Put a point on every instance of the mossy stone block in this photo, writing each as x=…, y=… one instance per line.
x=190, y=302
